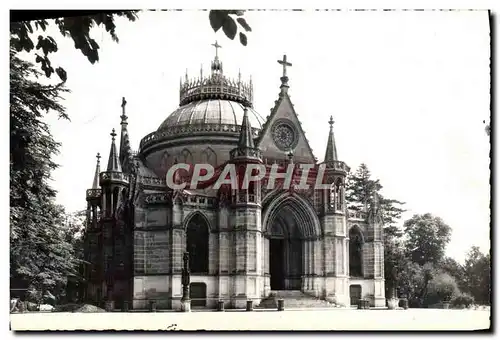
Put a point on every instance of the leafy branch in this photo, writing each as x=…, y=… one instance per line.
x=227, y=20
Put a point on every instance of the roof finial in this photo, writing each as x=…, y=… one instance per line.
x=123, y=116
x=331, y=122
x=113, y=135
x=186, y=75
x=217, y=46
x=201, y=72
x=98, y=156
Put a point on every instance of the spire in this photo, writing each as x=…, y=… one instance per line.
x=95, y=184
x=284, y=79
x=113, y=162
x=246, y=138
x=246, y=148
x=331, y=148
x=125, y=150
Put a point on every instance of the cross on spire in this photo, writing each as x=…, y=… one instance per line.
x=217, y=46
x=331, y=121
x=285, y=63
x=98, y=156
x=123, y=116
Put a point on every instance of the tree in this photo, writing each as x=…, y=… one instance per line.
x=427, y=238
x=41, y=259
x=456, y=270
x=360, y=192
x=395, y=263
x=478, y=275
x=442, y=287
x=79, y=29
x=225, y=19
x=412, y=281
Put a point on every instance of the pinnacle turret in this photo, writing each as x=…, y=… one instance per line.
x=125, y=149
x=95, y=183
x=331, y=148
x=246, y=147
x=114, y=161
x=246, y=138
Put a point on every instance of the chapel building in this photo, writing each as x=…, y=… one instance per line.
x=242, y=244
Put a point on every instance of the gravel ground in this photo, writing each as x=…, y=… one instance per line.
x=333, y=319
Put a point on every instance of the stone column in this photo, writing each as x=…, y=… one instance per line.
x=186, y=300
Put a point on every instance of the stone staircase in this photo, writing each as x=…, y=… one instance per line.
x=294, y=299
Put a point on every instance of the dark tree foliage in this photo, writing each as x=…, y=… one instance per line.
x=360, y=191
x=478, y=275
x=76, y=28
x=227, y=20
x=456, y=270
x=79, y=28
x=428, y=237
x=41, y=259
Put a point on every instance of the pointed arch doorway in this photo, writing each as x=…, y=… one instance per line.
x=290, y=225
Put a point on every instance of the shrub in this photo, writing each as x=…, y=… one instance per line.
x=442, y=287
x=463, y=299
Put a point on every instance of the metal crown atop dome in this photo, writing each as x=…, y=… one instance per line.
x=215, y=86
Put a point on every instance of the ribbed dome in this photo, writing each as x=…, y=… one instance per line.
x=211, y=111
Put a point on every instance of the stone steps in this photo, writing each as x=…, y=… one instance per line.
x=294, y=299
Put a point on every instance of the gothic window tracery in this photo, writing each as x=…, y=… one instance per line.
x=186, y=156
x=164, y=161
x=197, y=244
x=355, y=252
x=208, y=156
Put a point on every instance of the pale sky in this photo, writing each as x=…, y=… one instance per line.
x=408, y=92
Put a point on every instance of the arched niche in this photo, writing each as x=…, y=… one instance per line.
x=197, y=234
x=356, y=242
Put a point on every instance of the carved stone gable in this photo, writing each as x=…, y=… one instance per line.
x=283, y=132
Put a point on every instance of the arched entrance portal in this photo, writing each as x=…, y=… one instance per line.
x=290, y=225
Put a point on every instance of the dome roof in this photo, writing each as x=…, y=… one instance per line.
x=211, y=111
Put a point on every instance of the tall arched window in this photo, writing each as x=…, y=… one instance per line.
x=108, y=200
x=333, y=197
x=116, y=199
x=339, y=187
x=197, y=244
x=355, y=252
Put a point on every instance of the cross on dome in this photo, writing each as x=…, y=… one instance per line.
x=217, y=46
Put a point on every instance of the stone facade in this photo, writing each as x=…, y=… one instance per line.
x=244, y=243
